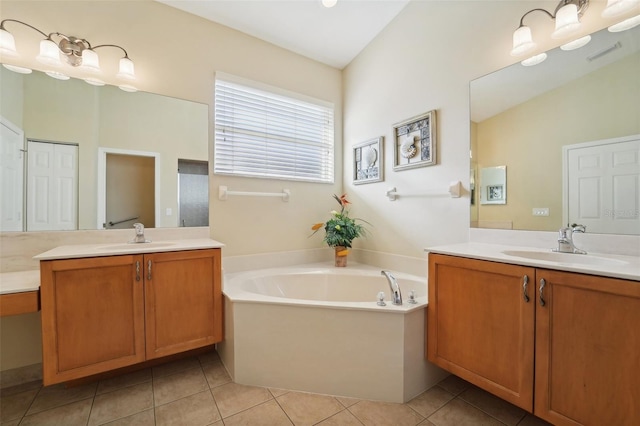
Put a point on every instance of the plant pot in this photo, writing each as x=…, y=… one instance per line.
x=340, y=259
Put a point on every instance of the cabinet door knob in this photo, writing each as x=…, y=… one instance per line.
x=149, y=270
x=542, y=284
x=137, y=270
x=525, y=286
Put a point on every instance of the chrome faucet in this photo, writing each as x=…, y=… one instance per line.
x=565, y=239
x=395, y=288
x=139, y=238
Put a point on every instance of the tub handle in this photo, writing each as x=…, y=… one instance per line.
x=381, y=299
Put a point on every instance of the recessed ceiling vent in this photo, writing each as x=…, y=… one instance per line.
x=604, y=51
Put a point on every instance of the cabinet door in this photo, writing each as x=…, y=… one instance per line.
x=183, y=301
x=587, y=350
x=92, y=316
x=480, y=325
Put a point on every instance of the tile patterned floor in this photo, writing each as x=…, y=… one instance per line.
x=198, y=391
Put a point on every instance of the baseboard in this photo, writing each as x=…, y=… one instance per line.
x=20, y=375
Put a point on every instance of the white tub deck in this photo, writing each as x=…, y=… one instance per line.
x=342, y=344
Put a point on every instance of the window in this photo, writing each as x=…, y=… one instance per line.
x=264, y=134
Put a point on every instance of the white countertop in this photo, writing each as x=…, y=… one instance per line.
x=607, y=265
x=19, y=282
x=95, y=250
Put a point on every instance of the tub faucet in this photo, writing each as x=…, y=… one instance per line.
x=395, y=288
x=139, y=238
x=565, y=239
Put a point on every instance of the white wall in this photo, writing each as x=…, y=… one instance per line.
x=177, y=54
x=424, y=60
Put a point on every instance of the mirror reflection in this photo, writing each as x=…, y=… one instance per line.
x=76, y=156
x=525, y=117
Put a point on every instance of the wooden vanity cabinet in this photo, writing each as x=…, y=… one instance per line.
x=480, y=326
x=584, y=331
x=183, y=301
x=103, y=313
x=587, y=349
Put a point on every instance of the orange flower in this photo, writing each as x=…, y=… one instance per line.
x=317, y=226
x=343, y=200
x=342, y=253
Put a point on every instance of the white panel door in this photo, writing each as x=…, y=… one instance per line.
x=52, y=187
x=603, y=185
x=12, y=176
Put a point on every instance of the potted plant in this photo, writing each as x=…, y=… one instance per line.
x=341, y=230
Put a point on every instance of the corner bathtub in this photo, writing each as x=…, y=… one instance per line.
x=317, y=328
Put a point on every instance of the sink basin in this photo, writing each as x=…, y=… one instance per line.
x=136, y=246
x=551, y=256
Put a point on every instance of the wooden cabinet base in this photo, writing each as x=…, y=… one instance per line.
x=486, y=320
x=105, y=313
x=19, y=303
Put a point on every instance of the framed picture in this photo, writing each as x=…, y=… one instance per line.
x=493, y=185
x=415, y=142
x=495, y=192
x=368, y=164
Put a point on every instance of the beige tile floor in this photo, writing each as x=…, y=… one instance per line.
x=198, y=391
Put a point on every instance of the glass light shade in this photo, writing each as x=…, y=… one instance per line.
x=534, y=60
x=126, y=70
x=627, y=24
x=567, y=21
x=7, y=44
x=329, y=3
x=522, y=41
x=576, y=44
x=49, y=53
x=57, y=75
x=127, y=88
x=618, y=7
x=90, y=61
x=94, y=81
x=20, y=70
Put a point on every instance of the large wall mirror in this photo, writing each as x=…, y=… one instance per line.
x=98, y=157
x=528, y=118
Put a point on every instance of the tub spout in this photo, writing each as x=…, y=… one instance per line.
x=395, y=288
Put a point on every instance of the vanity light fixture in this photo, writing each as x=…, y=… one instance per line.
x=75, y=52
x=567, y=22
x=329, y=3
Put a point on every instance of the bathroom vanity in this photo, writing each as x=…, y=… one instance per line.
x=109, y=306
x=557, y=336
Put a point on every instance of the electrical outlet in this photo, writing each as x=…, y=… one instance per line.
x=168, y=211
x=539, y=211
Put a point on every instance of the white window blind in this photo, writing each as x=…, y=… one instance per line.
x=263, y=134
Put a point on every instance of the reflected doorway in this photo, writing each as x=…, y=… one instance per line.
x=130, y=191
x=193, y=192
x=128, y=188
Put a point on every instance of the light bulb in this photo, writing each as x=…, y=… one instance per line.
x=90, y=61
x=127, y=88
x=566, y=21
x=627, y=24
x=15, y=68
x=7, y=44
x=57, y=75
x=329, y=3
x=49, y=53
x=618, y=7
x=126, y=70
x=534, y=60
x=522, y=41
x=94, y=81
x=576, y=44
